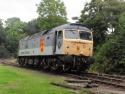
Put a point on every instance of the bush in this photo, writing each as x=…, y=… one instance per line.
x=4, y=53
x=110, y=58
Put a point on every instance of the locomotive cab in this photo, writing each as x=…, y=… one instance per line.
x=78, y=42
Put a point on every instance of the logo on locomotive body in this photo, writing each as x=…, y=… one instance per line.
x=41, y=44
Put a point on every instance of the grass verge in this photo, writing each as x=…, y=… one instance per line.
x=22, y=81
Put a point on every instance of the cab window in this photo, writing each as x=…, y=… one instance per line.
x=71, y=34
x=85, y=35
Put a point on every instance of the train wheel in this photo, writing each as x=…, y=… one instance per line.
x=78, y=69
x=54, y=65
x=36, y=62
x=45, y=64
x=30, y=62
x=21, y=62
x=79, y=66
x=59, y=66
x=38, y=65
x=26, y=62
x=41, y=63
x=66, y=67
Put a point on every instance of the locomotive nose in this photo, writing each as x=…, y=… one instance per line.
x=76, y=47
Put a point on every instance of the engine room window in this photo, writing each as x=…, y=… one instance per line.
x=85, y=35
x=71, y=34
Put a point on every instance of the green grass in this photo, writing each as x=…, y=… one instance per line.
x=22, y=81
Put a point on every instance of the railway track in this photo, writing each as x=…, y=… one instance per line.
x=109, y=80
x=107, y=76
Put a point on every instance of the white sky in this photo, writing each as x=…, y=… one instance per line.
x=26, y=9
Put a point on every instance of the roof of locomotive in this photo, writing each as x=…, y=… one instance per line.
x=73, y=26
x=32, y=36
x=69, y=26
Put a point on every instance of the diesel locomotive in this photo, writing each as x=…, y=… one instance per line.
x=64, y=48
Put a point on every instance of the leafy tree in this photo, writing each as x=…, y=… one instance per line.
x=12, y=21
x=111, y=56
x=14, y=29
x=3, y=50
x=51, y=13
x=2, y=33
x=31, y=27
x=102, y=15
x=4, y=53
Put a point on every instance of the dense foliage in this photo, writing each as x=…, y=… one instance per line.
x=14, y=31
x=51, y=14
x=107, y=19
x=2, y=33
x=111, y=56
x=32, y=27
x=3, y=50
x=10, y=34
